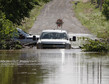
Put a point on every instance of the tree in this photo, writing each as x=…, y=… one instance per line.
x=12, y=12
x=106, y=9
x=17, y=10
x=101, y=4
x=6, y=28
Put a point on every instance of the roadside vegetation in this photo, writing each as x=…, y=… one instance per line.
x=94, y=16
x=6, y=32
x=28, y=22
x=17, y=13
x=95, y=46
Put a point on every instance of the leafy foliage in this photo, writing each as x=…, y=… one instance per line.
x=13, y=12
x=16, y=10
x=46, y=1
x=6, y=33
x=96, y=46
x=10, y=45
x=6, y=28
x=106, y=9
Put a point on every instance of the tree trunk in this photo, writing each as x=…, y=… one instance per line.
x=101, y=3
x=92, y=1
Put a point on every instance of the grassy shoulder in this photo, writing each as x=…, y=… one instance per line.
x=92, y=18
x=95, y=21
x=27, y=23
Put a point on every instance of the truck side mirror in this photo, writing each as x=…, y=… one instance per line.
x=70, y=39
x=34, y=38
x=74, y=38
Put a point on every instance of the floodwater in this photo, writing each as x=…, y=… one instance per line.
x=53, y=66
x=32, y=66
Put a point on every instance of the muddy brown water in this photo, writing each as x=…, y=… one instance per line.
x=55, y=66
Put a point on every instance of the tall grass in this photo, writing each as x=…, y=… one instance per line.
x=92, y=18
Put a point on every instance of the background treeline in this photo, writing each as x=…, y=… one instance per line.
x=17, y=10
x=103, y=5
x=12, y=13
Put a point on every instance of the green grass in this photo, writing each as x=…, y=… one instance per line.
x=27, y=23
x=92, y=19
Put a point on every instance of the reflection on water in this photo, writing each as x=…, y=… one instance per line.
x=34, y=66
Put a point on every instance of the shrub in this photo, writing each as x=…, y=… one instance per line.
x=10, y=45
x=6, y=28
x=17, y=10
x=6, y=33
x=96, y=46
x=106, y=9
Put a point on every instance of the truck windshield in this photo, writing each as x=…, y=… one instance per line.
x=53, y=35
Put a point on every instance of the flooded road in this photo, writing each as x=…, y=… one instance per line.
x=32, y=66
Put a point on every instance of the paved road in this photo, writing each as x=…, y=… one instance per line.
x=54, y=10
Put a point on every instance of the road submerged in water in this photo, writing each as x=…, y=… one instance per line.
x=55, y=66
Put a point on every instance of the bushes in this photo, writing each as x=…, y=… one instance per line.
x=13, y=12
x=6, y=28
x=96, y=46
x=46, y=1
x=17, y=10
x=106, y=9
x=96, y=22
x=10, y=45
x=6, y=33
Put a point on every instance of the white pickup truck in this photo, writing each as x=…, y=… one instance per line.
x=24, y=37
x=53, y=39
